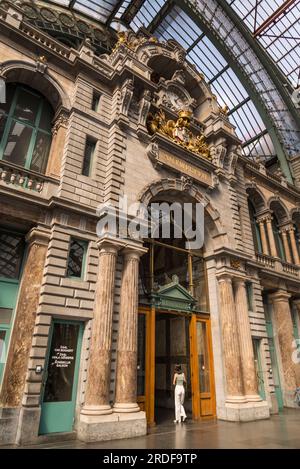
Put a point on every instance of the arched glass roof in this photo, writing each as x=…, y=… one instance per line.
x=273, y=23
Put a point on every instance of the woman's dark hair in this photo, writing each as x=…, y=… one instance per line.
x=178, y=369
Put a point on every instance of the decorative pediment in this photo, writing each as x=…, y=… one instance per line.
x=174, y=296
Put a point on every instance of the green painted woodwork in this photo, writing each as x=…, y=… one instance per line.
x=42, y=115
x=8, y=299
x=173, y=296
x=258, y=368
x=273, y=356
x=60, y=389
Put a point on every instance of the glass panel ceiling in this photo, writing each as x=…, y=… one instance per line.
x=279, y=34
x=100, y=10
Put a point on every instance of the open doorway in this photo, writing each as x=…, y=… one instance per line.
x=172, y=346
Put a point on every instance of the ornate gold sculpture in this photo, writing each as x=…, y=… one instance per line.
x=178, y=131
x=129, y=40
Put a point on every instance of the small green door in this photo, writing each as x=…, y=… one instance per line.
x=258, y=369
x=273, y=356
x=61, y=378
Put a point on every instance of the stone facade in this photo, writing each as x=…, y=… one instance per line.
x=129, y=161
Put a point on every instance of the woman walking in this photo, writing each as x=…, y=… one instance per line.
x=178, y=381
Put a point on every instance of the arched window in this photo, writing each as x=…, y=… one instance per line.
x=277, y=237
x=25, y=128
x=255, y=228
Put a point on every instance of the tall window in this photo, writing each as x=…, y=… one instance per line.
x=76, y=259
x=88, y=157
x=254, y=228
x=25, y=128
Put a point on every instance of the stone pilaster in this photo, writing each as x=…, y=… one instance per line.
x=18, y=355
x=126, y=379
x=59, y=133
x=98, y=379
x=245, y=342
x=283, y=327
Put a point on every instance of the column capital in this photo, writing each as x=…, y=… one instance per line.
x=106, y=246
x=224, y=277
x=62, y=120
x=38, y=235
x=121, y=244
x=265, y=216
x=280, y=295
x=133, y=253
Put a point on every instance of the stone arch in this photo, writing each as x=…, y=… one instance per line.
x=171, y=51
x=27, y=73
x=256, y=197
x=188, y=190
x=279, y=209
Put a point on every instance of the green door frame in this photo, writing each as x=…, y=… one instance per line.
x=259, y=370
x=9, y=301
x=274, y=363
x=46, y=406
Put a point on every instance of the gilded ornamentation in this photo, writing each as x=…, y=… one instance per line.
x=178, y=131
x=235, y=263
x=129, y=40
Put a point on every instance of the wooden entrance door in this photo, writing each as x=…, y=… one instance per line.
x=202, y=372
x=201, y=365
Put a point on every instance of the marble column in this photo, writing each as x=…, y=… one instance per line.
x=264, y=242
x=273, y=249
x=284, y=233
x=98, y=379
x=283, y=327
x=231, y=352
x=245, y=342
x=126, y=375
x=59, y=133
x=294, y=245
x=21, y=340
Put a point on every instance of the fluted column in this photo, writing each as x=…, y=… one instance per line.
x=284, y=233
x=98, y=379
x=284, y=331
x=273, y=249
x=264, y=242
x=126, y=375
x=245, y=342
x=294, y=245
x=234, y=386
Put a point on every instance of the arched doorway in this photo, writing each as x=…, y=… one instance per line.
x=174, y=324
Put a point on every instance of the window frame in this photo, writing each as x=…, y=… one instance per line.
x=84, y=244
x=91, y=163
x=10, y=119
x=96, y=96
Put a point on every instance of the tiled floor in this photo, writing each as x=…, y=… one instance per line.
x=280, y=431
